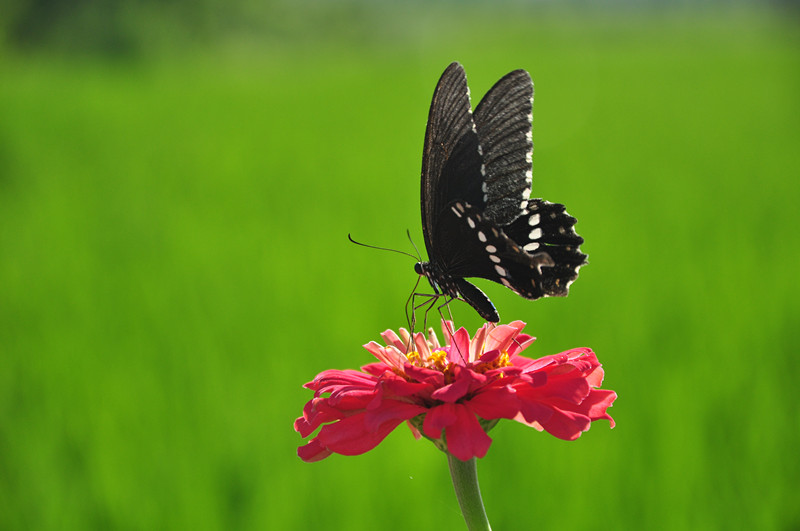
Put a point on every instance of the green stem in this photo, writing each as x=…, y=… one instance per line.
x=465, y=481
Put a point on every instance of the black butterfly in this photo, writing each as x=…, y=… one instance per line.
x=477, y=215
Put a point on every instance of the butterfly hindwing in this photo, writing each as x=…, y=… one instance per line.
x=547, y=227
x=476, y=247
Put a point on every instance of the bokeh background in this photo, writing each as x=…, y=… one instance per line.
x=177, y=180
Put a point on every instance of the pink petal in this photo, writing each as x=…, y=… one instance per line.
x=534, y=412
x=453, y=391
x=501, y=337
x=350, y=436
x=495, y=403
x=313, y=451
x=459, y=347
x=377, y=369
x=520, y=343
x=397, y=386
x=437, y=419
x=421, y=374
x=390, y=355
x=391, y=339
x=477, y=343
x=391, y=410
x=465, y=437
x=421, y=345
x=596, y=404
x=567, y=425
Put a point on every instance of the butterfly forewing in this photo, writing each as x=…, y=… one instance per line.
x=503, y=119
x=451, y=161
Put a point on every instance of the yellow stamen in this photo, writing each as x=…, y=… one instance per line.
x=438, y=360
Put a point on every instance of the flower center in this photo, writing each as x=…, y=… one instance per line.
x=436, y=361
x=500, y=361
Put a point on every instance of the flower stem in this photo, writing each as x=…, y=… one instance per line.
x=465, y=481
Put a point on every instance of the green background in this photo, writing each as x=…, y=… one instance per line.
x=174, y=263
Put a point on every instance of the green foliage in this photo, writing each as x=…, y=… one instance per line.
x=174, y=265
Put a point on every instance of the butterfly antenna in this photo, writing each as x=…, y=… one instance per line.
x=380, y=248
x=419, y=256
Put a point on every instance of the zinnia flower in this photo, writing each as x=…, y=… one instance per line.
x=453, y=394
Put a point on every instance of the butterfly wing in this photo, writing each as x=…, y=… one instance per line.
x=548, y=228
x=476, y=247
x=451, y=160
x=477, y=216
x=503, y=120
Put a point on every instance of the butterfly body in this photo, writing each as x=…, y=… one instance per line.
x=478, y=219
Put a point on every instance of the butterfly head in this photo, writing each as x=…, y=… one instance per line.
x=428, y=270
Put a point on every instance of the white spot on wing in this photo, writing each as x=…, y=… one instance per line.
x=535, y=234
x=455, y=211
x=491, y=249
x=470, y=222
x=534, y=220
x=500, y=270
x=494, y=258
x=529, y=179
x=481, y=236
x=531, y=247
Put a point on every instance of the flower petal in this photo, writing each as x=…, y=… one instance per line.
x=313, y=451
x=495, y=403
x=351, y=436
x=437, y=419
x=458, y=353
x=465, y=437
x=391, y=410
x=501, y=337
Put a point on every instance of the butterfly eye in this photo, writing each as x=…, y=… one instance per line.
x=418, y=269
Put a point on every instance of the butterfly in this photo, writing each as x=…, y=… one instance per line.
x=478, y=219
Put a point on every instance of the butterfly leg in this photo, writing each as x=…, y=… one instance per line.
x=450, y=326
x=410, y=316
x=430, y=302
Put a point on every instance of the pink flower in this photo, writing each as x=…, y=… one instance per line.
x=452, y=394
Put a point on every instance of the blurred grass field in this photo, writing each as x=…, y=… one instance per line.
x=174, y=266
